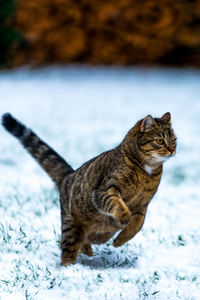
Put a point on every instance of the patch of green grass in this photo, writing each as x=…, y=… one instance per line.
x=180, y=241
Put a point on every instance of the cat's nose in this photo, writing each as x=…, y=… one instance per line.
x=172, y=150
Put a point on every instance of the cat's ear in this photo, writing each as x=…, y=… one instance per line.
x=147, y=124
x=166, y=117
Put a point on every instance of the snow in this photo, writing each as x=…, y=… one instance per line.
x=82, y=112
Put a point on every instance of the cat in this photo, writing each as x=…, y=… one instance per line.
x=110, y=192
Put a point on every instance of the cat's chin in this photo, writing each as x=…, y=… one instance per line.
x=161, y=159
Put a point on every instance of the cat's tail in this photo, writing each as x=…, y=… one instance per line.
x=49, y=160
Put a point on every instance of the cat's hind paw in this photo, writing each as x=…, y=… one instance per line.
x=87, y=250
x=68, y=259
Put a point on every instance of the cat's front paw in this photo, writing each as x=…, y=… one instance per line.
x=123, y=215
x=118, y=242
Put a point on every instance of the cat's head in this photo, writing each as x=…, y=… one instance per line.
x=156, y=139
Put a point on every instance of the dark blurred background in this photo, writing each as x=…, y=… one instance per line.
x=106, y=32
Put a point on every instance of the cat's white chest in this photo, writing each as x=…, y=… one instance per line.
x=148, y=169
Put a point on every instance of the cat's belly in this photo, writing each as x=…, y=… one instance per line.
x=102, y=230
x=99, y=238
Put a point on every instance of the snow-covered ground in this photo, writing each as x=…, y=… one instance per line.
x=82, y=112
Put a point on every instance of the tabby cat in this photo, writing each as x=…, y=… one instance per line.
x=110, y=192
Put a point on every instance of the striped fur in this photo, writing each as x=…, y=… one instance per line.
x=109, y=193
x=49, y=160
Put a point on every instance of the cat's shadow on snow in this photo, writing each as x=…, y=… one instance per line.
x=103, y=261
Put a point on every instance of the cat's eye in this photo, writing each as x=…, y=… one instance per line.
x=160, y=141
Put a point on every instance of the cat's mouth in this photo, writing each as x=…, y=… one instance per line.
x=161, y=159
x=171, y=154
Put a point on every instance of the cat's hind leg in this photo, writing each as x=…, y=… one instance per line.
x=87, y=249
x=72, y=240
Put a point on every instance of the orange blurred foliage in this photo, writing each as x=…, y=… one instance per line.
x=124, y=32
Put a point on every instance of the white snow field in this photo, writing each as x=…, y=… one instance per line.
x=82, y=112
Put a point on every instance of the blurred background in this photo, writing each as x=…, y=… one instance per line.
x=107, y=32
